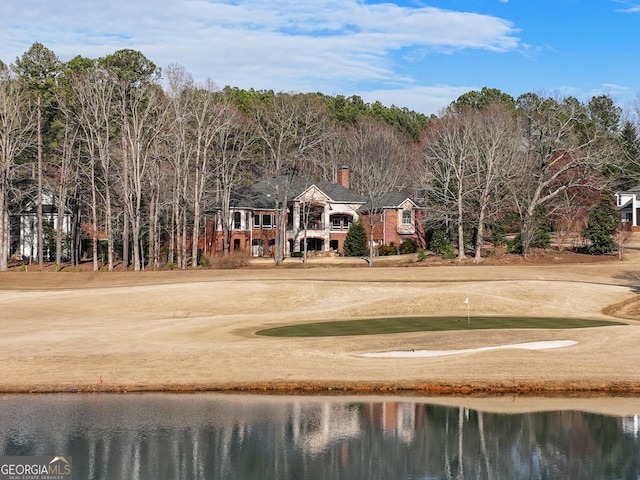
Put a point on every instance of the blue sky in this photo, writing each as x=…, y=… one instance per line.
x=410, y=53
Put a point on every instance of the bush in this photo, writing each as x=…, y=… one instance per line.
x=422, y=255
x=541, y=239
x=408, y=246
x=440, y=245
x=229, y=262
x=387, y=250
x=448, y=252
x=438, y=241
x=510, y=223
x=204, y=261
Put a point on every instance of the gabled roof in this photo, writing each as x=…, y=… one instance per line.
x=389, y=200
x=626, y=204
x=263, y=194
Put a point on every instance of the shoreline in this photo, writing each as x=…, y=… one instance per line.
x=349, y=388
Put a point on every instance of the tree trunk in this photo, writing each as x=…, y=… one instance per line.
x=39, y=194
x=109, y=225
x=94, y=225
x=4, y=233
x=60, y=224
x=461, y=254
x=126, y=248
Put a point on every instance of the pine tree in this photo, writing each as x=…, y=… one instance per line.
x=603, y=223
x=355, y=245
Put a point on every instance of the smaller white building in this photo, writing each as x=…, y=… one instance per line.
x=628, y=204
x=24, y=229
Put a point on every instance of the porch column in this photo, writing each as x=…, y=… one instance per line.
x=326, y=228
x=634, y=211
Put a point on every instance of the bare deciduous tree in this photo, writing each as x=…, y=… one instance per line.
x=17, y=130
x=447, y=168
x=207, y=120
x=146, y=114
x=179, y=152
x=290, y=128
x=232, y=149
x=495, y=159
x=377, y=156
x=94, y=93
x=560, y=151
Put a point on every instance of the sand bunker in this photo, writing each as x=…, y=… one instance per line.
x=440, y=353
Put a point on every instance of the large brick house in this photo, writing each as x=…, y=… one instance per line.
x=318, y=214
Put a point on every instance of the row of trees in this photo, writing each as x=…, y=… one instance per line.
x=143, y=157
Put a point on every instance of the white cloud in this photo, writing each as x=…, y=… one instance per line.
x=425, y=99
x=325, y=45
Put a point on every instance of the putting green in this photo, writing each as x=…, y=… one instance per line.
x=378, y=326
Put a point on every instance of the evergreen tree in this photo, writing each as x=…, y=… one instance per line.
x=629, y=168
x=355, y=245
x=603, y=222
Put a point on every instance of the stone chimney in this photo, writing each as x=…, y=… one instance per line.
x=343, y=176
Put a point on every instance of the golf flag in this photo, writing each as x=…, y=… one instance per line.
x=466, y=301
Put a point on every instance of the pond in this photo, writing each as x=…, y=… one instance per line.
x=219, y=436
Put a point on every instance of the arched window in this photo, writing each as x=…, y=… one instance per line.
x=406, y=217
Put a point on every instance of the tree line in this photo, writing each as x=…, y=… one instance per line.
x=144, y=155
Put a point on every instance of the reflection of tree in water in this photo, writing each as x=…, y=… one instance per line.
x=316, y=439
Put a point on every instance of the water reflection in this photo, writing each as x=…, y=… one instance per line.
x=208, y=436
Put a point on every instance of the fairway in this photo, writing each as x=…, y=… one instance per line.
x=380, y=326
x=196, y=330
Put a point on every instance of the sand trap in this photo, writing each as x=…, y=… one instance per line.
x=440, y=353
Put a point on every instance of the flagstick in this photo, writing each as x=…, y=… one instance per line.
x=466, y=300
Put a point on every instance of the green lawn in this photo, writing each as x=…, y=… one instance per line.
x=377, y=326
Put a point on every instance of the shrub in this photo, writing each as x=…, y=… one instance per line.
x=440, y=245
x=438, y=241
x=422, y=255
x=204, y=261
x=387, y=250
x=408, y=246
x=229, y=262
x=541, y=239
x=448, y=252
x=510, y=223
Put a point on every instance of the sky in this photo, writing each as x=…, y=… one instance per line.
x=417, y=54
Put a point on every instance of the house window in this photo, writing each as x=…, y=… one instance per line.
x=256, y=221
x=237, y=220
x=267, y=221
x=406, y=217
